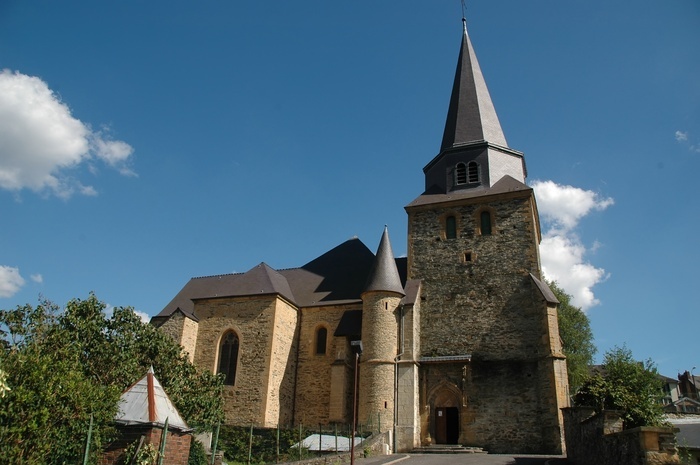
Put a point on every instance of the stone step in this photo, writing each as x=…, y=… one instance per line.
x=449, y=449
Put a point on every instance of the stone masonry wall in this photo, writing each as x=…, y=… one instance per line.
x=314, y=380
x=253, y=319
x=598, y=439
x=481, y=301
x=377, y=363
x=183, y=330
x=280, y=394
x=484, y=306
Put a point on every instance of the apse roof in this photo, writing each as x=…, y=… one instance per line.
x=336, y=277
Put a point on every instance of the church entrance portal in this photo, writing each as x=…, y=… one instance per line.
x=446, y=425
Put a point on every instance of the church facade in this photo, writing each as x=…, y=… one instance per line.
x=460, y=341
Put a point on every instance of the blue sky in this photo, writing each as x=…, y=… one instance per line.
x=144, y=143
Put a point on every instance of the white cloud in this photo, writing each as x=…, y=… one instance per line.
x=37, y=278
x=144, y=316
x=682, y=138
x=10, y=281
x=564, y=206
x=40, y=141
x=562, y=252
x=109, y=311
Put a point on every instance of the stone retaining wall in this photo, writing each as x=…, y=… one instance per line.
x=598, y=439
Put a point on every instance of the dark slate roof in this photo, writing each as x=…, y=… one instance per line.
x=504, y=185
x=384, y=275
x=545, y=290
x=471, y=116
x=412, y=291
x=350, y=324
x=336, y=277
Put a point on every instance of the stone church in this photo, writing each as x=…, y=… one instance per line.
x=460, y=342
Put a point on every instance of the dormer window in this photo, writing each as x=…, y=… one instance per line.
x=473, y=172
x=460, y=173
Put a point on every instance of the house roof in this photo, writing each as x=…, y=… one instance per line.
x=471, y=116
x=146, y=403
x=336, y=277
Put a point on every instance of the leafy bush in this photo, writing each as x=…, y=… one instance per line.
x=198, y=456
x=62, y=366
x=625, y=384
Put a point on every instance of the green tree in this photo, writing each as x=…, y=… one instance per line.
x=63, y=366
x=625, y=384
x=577, y=338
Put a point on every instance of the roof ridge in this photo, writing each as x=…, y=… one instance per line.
x=217, y=275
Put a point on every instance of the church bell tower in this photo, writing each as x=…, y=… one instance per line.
x=491, y=372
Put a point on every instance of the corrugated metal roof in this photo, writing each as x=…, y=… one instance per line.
x=146, y=403
x=327, y=443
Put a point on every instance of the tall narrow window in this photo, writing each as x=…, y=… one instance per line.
x=473, y=172
x=228, y=357
x=461, y=173
x=321, y=336
x=485, y=223
x=450, y=227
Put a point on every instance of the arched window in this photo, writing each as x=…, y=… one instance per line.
x=473, y=172
x=460, y=173
x=228, y=357
x=450, y=227
x=485, y=223
x=321, y=336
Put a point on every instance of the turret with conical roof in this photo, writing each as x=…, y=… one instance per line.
x=384, y=275
x=380, y=303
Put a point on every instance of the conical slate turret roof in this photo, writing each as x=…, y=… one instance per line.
x=384, y=275
x=471, y=116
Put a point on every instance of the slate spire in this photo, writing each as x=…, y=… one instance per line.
x=471, y=116
x=384, y=275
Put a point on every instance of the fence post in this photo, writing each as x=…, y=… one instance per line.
x=87, y=444
x=163, y=439
x=250, y=444
x=216, y=441
x=278, y=444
